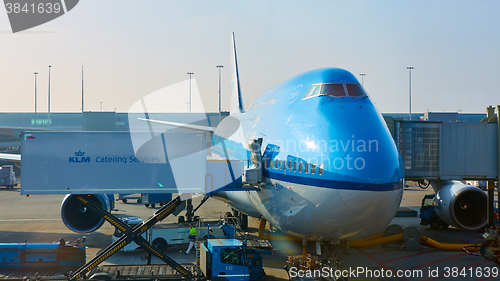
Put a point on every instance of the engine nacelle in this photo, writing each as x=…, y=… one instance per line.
x=462, y=205
x=77, y=217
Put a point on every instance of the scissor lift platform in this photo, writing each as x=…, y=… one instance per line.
x=130, y=235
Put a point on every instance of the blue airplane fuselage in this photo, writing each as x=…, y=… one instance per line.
x=331, y=167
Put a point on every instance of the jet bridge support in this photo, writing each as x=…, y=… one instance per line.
x=132, y=235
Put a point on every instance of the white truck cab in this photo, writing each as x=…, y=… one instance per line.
x=165, y=235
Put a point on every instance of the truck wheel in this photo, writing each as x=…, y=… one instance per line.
x=161, y=244
x=244, y=222
x=124, y=201
x=153, y=205
x=139, y=201
x=434, y=224
x=147, y=205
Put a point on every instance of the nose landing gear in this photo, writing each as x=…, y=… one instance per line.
x=322, y=266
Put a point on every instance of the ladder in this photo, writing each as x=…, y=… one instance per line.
x=132, y=235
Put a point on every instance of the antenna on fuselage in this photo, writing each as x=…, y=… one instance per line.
x=236, y=102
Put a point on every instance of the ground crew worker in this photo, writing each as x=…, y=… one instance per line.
x=192, y=237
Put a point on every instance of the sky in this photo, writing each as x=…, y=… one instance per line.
x=132, y=48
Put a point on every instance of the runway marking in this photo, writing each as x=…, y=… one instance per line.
x=286, y=249
x=379, y=263
x=417, y=254
x=376, y=253
x=31, y=220
x=433, y=262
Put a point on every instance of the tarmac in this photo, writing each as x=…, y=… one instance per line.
x=37, y=219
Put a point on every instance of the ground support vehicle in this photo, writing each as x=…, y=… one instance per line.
x=7, y=176
x=230, y=260
x=428, y=215
x=40, y=259
x=150, y=200
x=126, y=197
x=164, y=236
x=251, y=260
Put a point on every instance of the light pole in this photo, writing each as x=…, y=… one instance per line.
x=36, y=73
x=410, y=68
x=49, y=99
x=190, y=73
x=362, y=77
x=82, y=88
x=219, y=67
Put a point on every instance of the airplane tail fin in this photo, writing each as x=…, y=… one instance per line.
x=236, y=102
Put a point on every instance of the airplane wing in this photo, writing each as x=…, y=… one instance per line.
x=181, y=125
x=10, y=157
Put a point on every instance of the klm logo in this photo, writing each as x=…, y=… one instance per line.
x=79, y=158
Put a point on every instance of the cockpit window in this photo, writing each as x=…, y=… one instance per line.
x=355, y=90
x=334, y=90
x=310, y=91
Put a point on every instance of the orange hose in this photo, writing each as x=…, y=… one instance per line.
x=374, y=237
x=426, y=241
x=362, y=243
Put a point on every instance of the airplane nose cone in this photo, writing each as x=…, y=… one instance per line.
x=360, y=147
x=366, y=169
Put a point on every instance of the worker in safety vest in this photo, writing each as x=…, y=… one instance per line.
x=192, y=237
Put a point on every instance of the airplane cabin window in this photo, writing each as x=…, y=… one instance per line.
x=289, y=165
x=306, y=168
x=321, y=166
x=283, y=165
x=355, y=90
x=300, y=167
x=276, y=164
x=313, y=168
x=310, y=91
x=295, y=166
x=334, y=90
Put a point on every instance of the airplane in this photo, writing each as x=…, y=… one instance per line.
x=331, y=169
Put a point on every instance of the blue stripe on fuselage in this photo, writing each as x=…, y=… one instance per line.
x=333, y=184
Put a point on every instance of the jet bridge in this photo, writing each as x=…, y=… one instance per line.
x=448, y=151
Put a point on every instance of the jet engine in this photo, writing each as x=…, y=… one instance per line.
x=78, y=217
x=462, y=205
